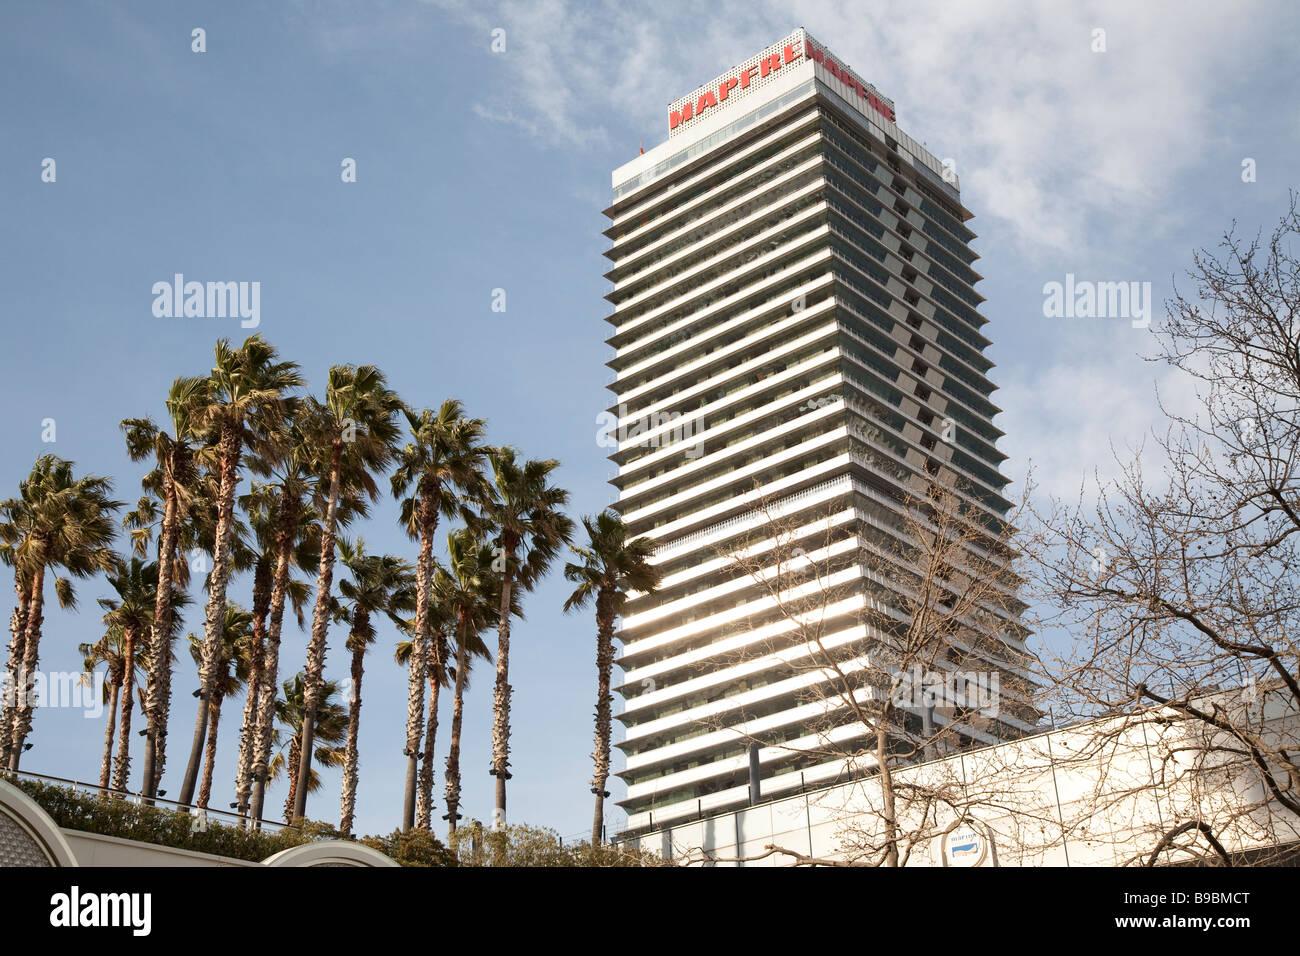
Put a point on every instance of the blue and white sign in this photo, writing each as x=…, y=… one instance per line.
x=965, y=845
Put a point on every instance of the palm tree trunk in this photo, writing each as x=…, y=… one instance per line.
x=265, y=725
x=319, y=633
x=418, y=663
x=347, y=808
x=453, y=753
x=295, y=754
x=106, y=765
x=210, y=753
x=604, y=672
x=13, y=667
x=501, y=703
x=424, y=803
x=22, y=721
x=157, y=701
x=248, y=725
x=164, y=705
x=200, y=737
x=122, y=766
x=231, y=447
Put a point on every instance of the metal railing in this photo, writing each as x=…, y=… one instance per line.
x=139, y=799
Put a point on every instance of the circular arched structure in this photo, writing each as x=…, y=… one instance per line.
x=28, y=835
x=330, y=853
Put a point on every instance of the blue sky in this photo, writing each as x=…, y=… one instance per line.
x=479, y=171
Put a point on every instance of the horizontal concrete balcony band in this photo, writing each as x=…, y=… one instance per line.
x=670, y=636
x=644, y=707
x=773, y=201
x=710, y=209
x=778, y=508
x=925, y=304
x=808, y=350
x=704, y=170
x=848, y=309
x=688, y=471
x=944, y=410
x=779, y=238
x=820, y=740
x=811, y=475
x=706, y=321
x=896, y=272
x=740, y=477
x=819, y=368
x=637, y=669
x=726, y=159
x=872, y=586
x=818, y=255
x=770, y=190
x=665, y=814
x=820, y=312
x=919, y=243
x=774, y=783
x=730, y=765
x=756, y=578
x=917, y=469
x=753, y=549
x=721, y=737
x=804, y=244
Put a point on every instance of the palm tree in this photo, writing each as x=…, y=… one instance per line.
x=331, y=728
x=358, y=425
x=10, y=533
x=470, y=589
x=295, y=537
x=611, y=568
x=246, y=397
x=170, y=481
x=437, y=672
x=131, y=612
x=232, y=674
x=195, y=541
x=108, y=650
x=262, y=504
x=522, y=510
x=201, y=531
x=443, y=460
x=57, y=521
x=380, y=584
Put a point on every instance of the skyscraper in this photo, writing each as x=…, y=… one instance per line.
x=796, y=338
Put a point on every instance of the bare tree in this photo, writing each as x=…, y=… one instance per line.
x=894, y=622
x=1178, y=587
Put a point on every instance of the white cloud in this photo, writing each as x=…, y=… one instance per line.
x=1077, y=423
x=1048, y=135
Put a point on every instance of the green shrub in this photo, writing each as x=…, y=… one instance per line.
x=539, y=846
x=416, y=848
x=117, y=816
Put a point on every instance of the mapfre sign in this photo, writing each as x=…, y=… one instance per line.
x=741, y=79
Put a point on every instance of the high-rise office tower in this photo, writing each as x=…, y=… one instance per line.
x=797, y=338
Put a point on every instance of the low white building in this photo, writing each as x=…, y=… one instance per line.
x=1101, y=793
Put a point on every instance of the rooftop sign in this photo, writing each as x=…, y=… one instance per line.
x=757, y=70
